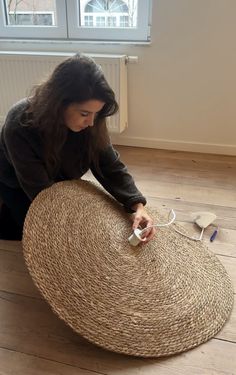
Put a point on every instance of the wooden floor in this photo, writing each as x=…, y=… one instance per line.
x=33, y=341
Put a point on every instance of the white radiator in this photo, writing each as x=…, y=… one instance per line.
x=20, y=71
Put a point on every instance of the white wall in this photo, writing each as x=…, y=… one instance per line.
x=182, y=92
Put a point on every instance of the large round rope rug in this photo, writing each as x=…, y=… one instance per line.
x=158, y=299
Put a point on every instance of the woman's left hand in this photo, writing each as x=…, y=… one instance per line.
x=141, y=218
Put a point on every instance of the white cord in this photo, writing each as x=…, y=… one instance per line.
x=191, y=238
x=176, y=230
x=162, y=225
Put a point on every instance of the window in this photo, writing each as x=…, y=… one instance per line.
x=115, y=14
x=106, y=6
x=88, y=20
x=100, y=21
x=31, y=18
x=111, y=21
x=126, y=20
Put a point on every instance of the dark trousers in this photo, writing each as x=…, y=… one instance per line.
x=14, y=207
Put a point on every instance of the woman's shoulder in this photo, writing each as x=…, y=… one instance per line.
x=13, y=129
x=17, y=109
x=14, y=116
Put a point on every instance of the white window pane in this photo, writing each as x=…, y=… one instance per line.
x=100, y=21
x=111, y=21
x=124, y=21
x=88, y=21
x=30, y=12
x=109, y=11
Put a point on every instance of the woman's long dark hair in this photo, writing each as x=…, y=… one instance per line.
x=75, y=80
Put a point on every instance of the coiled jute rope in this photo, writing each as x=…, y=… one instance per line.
x=154, y=300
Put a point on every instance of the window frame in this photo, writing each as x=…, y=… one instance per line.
x=67, y=28
x=140, y=33
x=58, y=31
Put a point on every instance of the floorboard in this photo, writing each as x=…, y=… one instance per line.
x=34, y=341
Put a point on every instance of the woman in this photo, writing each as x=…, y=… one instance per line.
x=58, y=134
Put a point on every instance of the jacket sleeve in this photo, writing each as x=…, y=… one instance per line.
x=114, y=177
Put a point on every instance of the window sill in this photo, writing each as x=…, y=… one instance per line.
x=72, y=42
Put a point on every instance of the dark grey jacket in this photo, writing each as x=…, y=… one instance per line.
x=22, y=162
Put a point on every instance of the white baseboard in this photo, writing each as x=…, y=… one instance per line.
x=178, y=145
